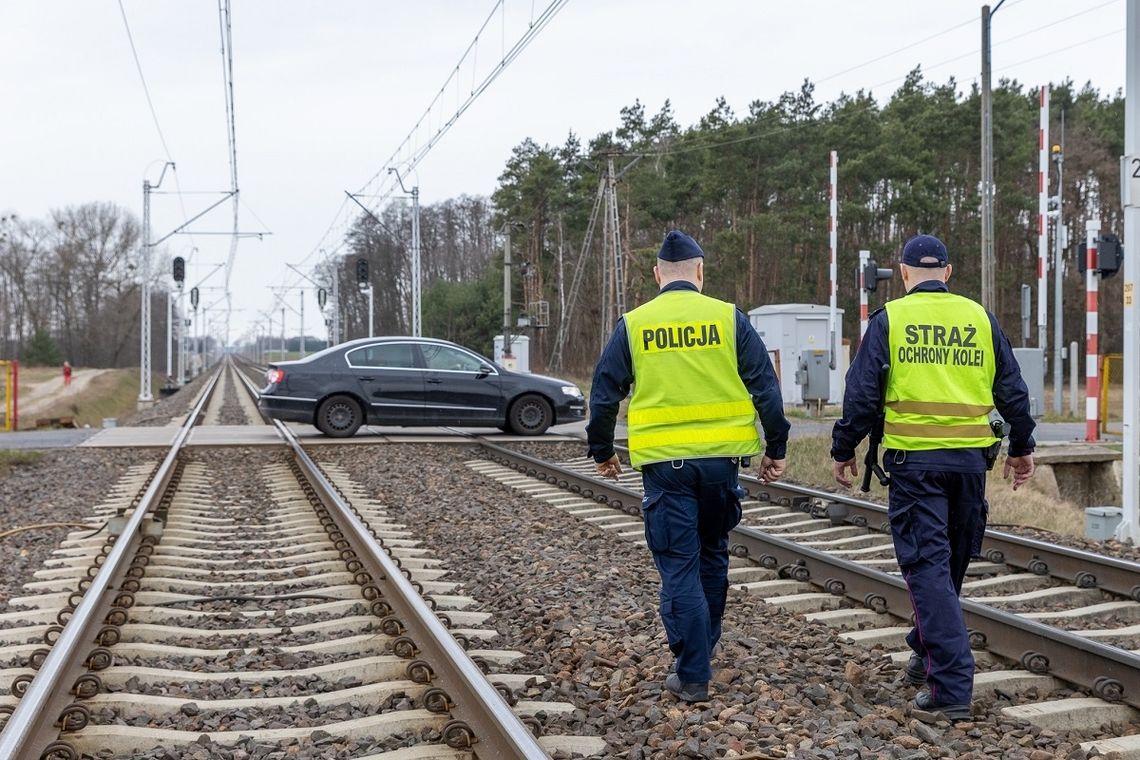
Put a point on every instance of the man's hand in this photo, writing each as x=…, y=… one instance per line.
x=839, y=469
x=771, y=470
x=610, y=468
x=1021, y=467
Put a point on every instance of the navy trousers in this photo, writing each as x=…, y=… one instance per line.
x=937, y=522
x=689, y=507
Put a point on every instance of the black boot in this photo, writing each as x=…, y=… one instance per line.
x=953, y=713
x=915, y=673
x=687, y=692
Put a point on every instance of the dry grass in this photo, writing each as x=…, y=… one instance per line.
x=112, y=394
x=809, y=463
x=10, y=459
x=32, y=375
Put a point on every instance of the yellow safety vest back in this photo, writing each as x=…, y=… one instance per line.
x=940, y=388
x=688, y=399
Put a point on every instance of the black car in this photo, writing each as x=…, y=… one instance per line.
x=414, y=381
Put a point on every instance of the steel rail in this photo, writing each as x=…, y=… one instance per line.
x=1081, y=568
x=496, y=731
x=32, y=725
x=1108, y=672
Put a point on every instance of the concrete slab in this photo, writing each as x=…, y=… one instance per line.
x=234, y=435
x=847, y=620
x=1120, y=610
x=802, y=603
x=1014, y=682
x=774, y=587
x=1016, y=583
x=1057, y=594
x=132, y=437
x=750, y=574
x=1076, y=714
x=892, y=638
x=982, y=658
x=45, y=439
x=1123, y=747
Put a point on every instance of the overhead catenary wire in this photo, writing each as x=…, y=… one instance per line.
x=231, y=138
x=410, y=152
x=154, y=115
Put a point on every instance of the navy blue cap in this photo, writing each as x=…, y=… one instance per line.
x=678, y=246
x=922, y=247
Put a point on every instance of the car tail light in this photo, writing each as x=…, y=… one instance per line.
x=273, y=375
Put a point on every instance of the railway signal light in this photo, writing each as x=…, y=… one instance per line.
x=193, y=298
x=179, y=269
x=1109, y=255
x=872, y=273
x=322, y=297
x=362, y=273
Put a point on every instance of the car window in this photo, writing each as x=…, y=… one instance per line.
x=387, y=355
x=446, y=357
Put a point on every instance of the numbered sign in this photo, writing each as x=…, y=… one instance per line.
x=1130, y=181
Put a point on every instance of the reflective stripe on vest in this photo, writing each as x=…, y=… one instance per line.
x=940, y=389
x=688, y=399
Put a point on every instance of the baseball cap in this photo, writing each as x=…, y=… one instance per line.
x=924, y=246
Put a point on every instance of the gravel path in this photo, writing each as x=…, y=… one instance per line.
x=166, y=408
x=582, y=605
x=51, y=489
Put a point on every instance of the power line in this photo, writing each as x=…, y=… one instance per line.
x=154, y=114
x=410, y=152
x=779, y=130
x=231, y=138
x=142, y=78
x=1067, y=47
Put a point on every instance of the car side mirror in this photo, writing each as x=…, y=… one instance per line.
x=484, y=370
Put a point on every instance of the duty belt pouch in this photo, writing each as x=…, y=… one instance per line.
x=1000, y=430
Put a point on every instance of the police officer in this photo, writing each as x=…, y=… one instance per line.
x=935, y=365
x=701, y=373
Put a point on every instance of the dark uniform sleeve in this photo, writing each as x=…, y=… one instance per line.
x=1011, y=396
x=863, y=392
x=760, y=379
x=612, y=379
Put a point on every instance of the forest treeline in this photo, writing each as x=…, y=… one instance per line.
x=753, y=189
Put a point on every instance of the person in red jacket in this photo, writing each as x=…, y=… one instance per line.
x=66, y=374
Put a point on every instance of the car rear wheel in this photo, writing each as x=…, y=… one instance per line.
x=530, y=415
x=339, y=417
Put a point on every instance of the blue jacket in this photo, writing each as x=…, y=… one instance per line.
x=614, y=375
x=863, y=397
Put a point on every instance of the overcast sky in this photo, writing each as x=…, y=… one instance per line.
x=325, y=92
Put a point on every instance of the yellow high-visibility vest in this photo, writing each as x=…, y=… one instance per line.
x=688, y=399
x=940, y=388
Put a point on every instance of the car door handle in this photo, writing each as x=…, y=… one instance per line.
x=434, y=382
x=367, y=379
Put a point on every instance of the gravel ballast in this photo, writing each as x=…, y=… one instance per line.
x=582, y=605
x=62, y=485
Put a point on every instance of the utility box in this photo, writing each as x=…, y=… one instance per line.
x=813, y=375
x=1032, y=363
x=519, y=361
x=796, y=331
x=1101, y=522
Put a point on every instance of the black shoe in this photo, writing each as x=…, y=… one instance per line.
x=915, y=672
x=923, y=701
x=687, y=692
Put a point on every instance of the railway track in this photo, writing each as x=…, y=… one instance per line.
x=256, y=604
x=1061, y=616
